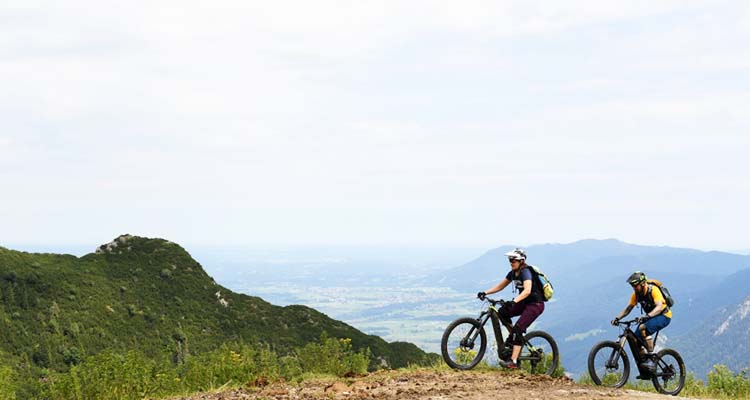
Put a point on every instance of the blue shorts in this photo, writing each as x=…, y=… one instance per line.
x=654, y=325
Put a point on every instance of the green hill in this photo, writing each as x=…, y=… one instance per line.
x=151, y=296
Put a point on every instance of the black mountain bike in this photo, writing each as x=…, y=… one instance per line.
x=464, y=343
x=609, y=364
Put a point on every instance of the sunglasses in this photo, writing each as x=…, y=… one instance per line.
x=510, y=260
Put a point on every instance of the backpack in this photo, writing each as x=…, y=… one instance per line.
x=664, y=291
x=547, y=288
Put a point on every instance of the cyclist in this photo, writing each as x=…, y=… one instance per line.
x=528, y=303
x=657, y=317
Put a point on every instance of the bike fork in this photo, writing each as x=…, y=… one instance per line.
x=474, y=332
x=615, y=357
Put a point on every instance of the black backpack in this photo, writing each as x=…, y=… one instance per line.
x=664, y=291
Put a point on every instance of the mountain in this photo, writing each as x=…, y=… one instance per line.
x=152, y=296
x=723, y=338
x=585, y=261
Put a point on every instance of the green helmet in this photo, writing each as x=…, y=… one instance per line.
x=636, y=278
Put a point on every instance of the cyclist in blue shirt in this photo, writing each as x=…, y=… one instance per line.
x=528, y=303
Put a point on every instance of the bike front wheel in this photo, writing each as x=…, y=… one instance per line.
x=609, y=364
x=539, y=353
x=464, y=343
x=669, y=377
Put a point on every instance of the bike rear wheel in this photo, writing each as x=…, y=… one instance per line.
x=606, y=366
x=669, y=377
x=539, y=353
x=464, y=343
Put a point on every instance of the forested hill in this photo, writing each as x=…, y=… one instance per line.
x=147, y=295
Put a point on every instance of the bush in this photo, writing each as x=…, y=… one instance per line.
x=72, y=356
x=723, y=382
x=110, y=375
x=333, y=356
x=7, y=383
x=229, y=365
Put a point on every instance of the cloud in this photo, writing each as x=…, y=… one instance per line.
x=239, y=107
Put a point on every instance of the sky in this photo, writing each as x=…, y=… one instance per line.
x=425, y=123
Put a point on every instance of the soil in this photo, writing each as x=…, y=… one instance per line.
x=429, y=385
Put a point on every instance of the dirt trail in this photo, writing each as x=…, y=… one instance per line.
x=430, y=385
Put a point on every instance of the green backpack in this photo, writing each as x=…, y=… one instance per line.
x=546, y=284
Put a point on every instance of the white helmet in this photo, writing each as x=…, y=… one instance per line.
x=516, y=254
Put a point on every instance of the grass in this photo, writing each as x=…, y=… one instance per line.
x=721, y=383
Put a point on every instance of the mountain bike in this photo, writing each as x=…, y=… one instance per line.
x=609, y=364
x=464, y=343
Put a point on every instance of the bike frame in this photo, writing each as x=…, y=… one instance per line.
x=634, y=342
x=492, y=314
x=669, y=368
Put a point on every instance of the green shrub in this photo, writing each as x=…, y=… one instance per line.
x=290, y=368
x=723, y=382
x=231, y=364
x=72, y=356
x=110, y=375
x=333, y=356
x=7, y=384
x=694, y=387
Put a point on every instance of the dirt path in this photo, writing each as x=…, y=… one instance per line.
x=431, y=385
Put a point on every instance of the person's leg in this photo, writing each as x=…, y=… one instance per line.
x=652, y=326
x=648, y=328
x=506, y=313
x=530, y=313
x=641, y=333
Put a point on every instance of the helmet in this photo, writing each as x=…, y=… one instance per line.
x=516, y=254
x=636, y=278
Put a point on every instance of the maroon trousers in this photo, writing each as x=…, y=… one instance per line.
x=528, y=312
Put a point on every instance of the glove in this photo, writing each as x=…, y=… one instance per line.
x=481, y=295
x=615, y=321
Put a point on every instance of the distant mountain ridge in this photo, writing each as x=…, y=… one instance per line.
x=152, y=296
x=587, y=254
x=724, y=338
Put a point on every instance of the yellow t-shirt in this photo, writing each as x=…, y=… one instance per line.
x=657, y=296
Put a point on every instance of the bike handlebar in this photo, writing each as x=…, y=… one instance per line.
x=630, y=322
x=495, y=302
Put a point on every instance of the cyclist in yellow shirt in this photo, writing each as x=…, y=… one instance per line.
x=652, y=302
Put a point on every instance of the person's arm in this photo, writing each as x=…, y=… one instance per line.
x=659, y=302
x=657, y=310
x=625, y=312
x=500, y=286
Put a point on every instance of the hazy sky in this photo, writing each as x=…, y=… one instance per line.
x=387, y=122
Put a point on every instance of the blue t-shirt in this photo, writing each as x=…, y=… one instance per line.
x=525, y=274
